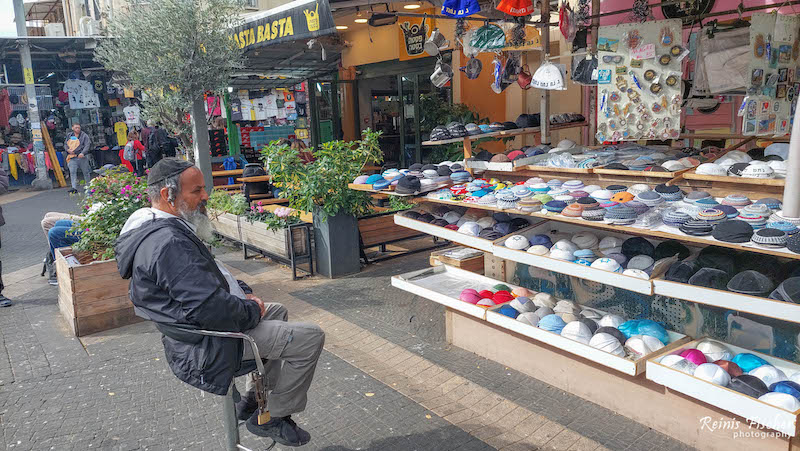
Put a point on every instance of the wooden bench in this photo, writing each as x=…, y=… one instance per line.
x=255, y=179
x=270, y=201
x=228, y=187
x=227, y=173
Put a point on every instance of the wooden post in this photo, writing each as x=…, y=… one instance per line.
x=48, y=144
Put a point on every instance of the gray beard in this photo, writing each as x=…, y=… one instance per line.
x=204, y=229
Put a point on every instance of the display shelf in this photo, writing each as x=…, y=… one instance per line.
x=445, y=233
x=505, y=133
x=692, y=175
x=621, y=364
x=443, y=284
x=644, y=286
x=662, y=231
x=724, y=398
x=771, y=308
x=391, y=192
x=549, y=169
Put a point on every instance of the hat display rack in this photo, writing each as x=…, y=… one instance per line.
x=643, y=60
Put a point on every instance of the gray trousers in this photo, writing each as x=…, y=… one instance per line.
x=292, y=350
x=82, y=164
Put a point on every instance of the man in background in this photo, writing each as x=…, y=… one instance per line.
x=78, y=145
x=157, y=143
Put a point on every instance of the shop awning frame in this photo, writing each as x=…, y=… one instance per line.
x=285, y=45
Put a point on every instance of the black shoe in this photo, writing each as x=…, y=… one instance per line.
x=4, y=301
x=281, y=429
x=246, y=406
x=72, y=191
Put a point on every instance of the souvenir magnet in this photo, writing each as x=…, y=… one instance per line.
x=672, y=80
x=649, y=74
x=655, y=88
x=666, y=36
x=664, y=60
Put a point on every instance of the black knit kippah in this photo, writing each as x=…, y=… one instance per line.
x=166, y=168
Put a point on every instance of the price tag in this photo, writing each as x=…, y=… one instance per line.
x=28, y=76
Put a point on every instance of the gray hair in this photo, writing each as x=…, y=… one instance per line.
x=173, y=185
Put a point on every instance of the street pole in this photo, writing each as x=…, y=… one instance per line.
x=791, y=191
x=42, y=181
x=201, y=147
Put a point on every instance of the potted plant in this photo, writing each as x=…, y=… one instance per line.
x=271, y=231
x=92, y=296
x=321, y=187
x=224, y=210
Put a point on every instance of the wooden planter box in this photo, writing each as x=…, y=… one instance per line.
x=92, y=297
x=380, y=228
x=226, y=224
x=276, y=242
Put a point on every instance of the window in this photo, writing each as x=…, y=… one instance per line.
x=251, y=4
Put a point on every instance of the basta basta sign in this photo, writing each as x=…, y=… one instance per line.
x=298, y=20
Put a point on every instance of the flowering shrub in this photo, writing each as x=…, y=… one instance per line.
x=109, y=202
x=280, y=219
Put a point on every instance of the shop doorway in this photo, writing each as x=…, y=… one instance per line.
x=391, y=100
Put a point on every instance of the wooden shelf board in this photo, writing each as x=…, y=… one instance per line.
x=623, y=229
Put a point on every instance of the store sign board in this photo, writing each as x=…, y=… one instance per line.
x=298, y=20
x=412, y=34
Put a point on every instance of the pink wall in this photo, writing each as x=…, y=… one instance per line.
x=720, y=5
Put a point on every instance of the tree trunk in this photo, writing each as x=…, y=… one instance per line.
x=202, y=149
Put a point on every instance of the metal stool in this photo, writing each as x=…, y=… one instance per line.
x=228, y=406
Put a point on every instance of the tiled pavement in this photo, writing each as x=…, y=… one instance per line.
x=387, y=380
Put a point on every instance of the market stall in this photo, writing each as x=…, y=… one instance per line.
x=654, y=262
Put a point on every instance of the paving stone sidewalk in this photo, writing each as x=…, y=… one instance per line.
x=114, y=391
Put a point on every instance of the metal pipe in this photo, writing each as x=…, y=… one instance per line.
x=42, y=181
x=230, y=420
x=593, y=89
x=791, y=191
x=544, y=105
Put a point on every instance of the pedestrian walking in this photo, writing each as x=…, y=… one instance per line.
x=134, y=153
x=78, y=145
x=159, y=141
x=4, y=301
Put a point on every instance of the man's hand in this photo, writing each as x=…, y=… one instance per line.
x=259, y=302
x=80, y=155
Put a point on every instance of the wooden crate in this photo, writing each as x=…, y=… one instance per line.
x=226, y=224
x=381, y=228
x=472, y=264
x=92, y=297
x=276, y=242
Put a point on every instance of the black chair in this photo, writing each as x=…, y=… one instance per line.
x=189, y=335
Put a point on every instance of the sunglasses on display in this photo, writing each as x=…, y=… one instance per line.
x=616, y=59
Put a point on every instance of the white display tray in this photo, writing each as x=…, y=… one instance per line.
x=620, y=280
x=621, y=364
x=447, y=234
x=508, y=166
x=724, y=398
x=784, y=311
x=444, y=286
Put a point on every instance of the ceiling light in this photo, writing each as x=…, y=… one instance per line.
x=412, y=6
x=360, y=17
x=341, y=27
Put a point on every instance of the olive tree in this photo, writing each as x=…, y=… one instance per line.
x=174, y=51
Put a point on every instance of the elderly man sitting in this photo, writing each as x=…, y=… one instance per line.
x=176, y=281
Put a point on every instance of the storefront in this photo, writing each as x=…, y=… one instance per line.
x=651, y=219
x=71, y=89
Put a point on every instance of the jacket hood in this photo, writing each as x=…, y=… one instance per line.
x=141, y=224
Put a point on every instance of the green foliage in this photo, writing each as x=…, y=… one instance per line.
x=221, y=201
x=321, y=186
x=397, y=203
x=280, y=219
x=111, y=199
x=173, y=51
x=438, y=111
